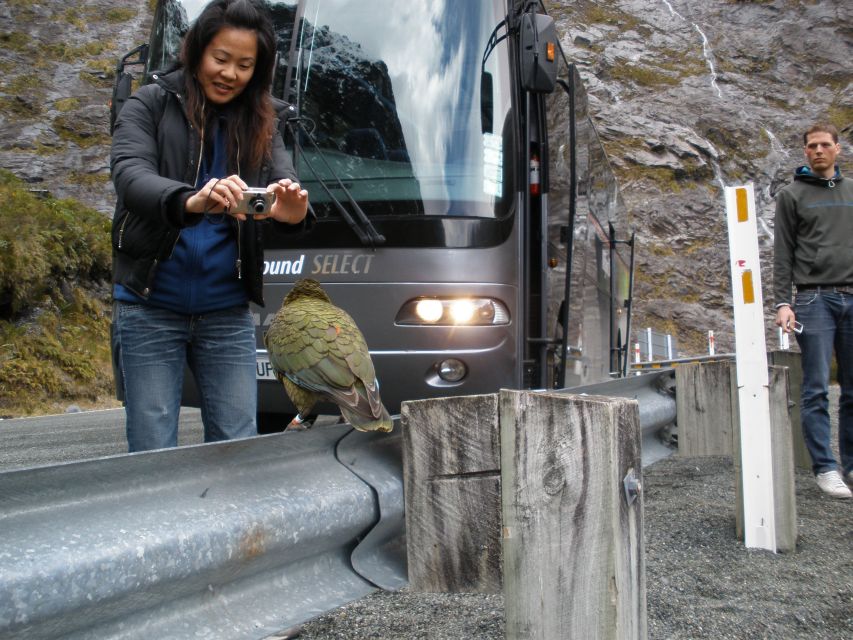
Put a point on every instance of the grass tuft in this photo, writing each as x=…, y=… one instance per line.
x=54, y=301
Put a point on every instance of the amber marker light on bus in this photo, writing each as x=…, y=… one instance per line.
x=453, y=312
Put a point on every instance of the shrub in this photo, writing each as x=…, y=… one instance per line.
x=54, y=301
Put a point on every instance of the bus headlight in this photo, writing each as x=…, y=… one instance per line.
x=453, y=312
x=429, y=310
x=462, y=311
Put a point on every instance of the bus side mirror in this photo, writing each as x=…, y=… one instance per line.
x=123, y=84
x=122, y=88
x=487, y=102
x=538, y=53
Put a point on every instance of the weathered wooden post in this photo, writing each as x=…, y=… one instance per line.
x=573, y=517
x=703, y=400
x=709, y=423
x=782, y=462
x=793, y=361
x=451, y=469
x=704, y=404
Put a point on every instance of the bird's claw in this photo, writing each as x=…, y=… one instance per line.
x=299, y=424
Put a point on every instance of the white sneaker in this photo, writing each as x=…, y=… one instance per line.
x=831, y=484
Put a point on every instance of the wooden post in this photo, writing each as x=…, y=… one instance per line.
x=573, y=536
x=784, y=489
x=703, y=401
x=451, y=476
x=706, y=420
x=793, y=360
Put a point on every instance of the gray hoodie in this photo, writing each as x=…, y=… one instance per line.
x=813, y=244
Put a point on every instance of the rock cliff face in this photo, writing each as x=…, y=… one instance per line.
x=58, y=61
x=688, y=96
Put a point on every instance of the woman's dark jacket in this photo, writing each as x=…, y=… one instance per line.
x=154, y=162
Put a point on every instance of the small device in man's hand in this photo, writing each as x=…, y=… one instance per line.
x=797, y=327
x=256, y=201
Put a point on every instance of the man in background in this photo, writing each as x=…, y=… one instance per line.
x=814, y=252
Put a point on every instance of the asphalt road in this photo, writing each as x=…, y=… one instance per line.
x=71, y=437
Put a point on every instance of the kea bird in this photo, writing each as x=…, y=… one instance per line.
x=318, y=353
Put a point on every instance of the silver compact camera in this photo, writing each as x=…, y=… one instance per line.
x=255, y=201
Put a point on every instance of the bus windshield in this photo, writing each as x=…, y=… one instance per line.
x=405, y=109
x=392, y=92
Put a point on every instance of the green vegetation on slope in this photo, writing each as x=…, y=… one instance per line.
x=54, y=302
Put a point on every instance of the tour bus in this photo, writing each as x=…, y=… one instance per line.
x=462, y=208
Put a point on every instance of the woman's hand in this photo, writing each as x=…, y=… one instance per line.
x=219, y=195
x=291, y=202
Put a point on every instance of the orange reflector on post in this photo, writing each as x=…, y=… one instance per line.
x=748, y=289
x=742, y=205
x=549, y=51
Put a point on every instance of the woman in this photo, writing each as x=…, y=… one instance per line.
x=185, y=263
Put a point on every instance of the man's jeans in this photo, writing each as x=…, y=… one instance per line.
x=827, y=320
x=154, y=345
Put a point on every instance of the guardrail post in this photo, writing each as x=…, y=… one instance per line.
x=706, y=415
x=573, y=517
x=782, y=462
x=704, y=409
x=451, y=470
x=709, y=425
x=793, y=361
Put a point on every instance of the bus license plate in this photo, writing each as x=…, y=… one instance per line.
x=264, y=369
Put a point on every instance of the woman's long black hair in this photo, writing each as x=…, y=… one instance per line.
x=251, y=114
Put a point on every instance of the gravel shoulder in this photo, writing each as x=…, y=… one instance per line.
x=701, y=581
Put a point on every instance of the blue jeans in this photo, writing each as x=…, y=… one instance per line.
x=827, y=319
x=151, y=348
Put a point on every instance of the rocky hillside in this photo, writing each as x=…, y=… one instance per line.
x=56, y=72
x=692, y=95
x=688, y=95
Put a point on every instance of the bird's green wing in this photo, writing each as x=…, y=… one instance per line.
x=318, y=346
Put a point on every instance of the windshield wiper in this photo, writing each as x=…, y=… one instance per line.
x=362, y=226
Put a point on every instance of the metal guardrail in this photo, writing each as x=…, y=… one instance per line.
x=377, y=459
x=230, y=540
x=665, y=364
x=236, y=539
x=655, y=395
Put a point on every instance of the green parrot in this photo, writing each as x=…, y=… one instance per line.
x=319, y=353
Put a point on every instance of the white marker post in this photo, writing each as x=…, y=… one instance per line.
x=637, y=358
x=759, y=524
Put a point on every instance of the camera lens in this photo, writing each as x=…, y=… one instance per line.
x=258, y=204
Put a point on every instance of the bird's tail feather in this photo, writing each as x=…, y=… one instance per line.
x=360, y=422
